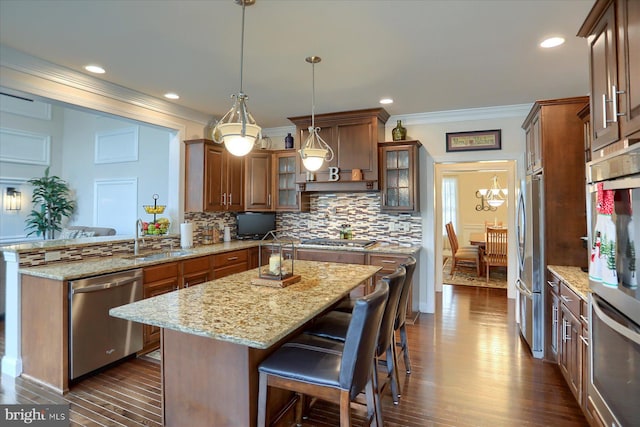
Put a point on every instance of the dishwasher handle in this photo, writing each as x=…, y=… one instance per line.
x=103, y=286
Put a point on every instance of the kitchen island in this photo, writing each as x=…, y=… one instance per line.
x=215, y=334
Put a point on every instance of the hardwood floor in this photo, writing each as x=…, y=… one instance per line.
x=470, y=368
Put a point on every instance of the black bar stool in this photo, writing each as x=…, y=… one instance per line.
x=327, y=369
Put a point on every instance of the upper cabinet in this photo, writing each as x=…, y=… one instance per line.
x=214, y=178
x=611, y=29
x=354, y=137
x=287, y=196
x=258, y=181
x=553, y=127
x=399, y=176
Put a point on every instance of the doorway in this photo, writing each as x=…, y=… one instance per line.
x=506, y=168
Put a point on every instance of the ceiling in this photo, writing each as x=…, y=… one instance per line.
x=428, y=55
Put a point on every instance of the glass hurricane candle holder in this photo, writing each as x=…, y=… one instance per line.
x=275, y=257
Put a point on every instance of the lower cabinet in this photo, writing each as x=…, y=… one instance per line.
x=552, y=317
x=389, y=264
x=229, y=263
x=158, y=280
x=196, y=271
x=570, y=354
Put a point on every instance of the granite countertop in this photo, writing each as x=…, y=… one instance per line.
x=96, y=266
x=233, y=310
x=574, y=277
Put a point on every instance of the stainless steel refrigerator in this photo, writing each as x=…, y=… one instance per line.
x=530, y=232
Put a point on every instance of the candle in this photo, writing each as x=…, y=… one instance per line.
x=274, y=264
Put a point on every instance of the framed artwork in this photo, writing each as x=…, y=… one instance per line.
x=474, y=140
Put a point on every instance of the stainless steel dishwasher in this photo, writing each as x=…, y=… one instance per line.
x=97, y=339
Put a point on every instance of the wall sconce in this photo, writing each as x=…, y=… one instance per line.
x=483, y=205
x=12, y=199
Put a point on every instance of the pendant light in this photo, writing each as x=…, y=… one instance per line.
x=237, y=129
x=314, y=151
x=495, y=196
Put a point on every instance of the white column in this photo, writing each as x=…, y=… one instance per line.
x=12, y=359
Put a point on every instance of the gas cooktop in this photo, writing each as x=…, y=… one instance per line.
x=339, y=242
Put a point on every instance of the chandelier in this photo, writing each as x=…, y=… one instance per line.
x=494, y=196
x=237, y=129
x=315, y=150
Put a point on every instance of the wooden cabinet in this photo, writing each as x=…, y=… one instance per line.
x=585, y=116
x=389, y=264
x=196, y=271
x=570, y=350
x=353, y=136
x=158, y=280
x=533, y=146
x=399, y=176
x=552, y=317
x=611, y=29
x=214, y=178
x=258, y=181
x=229, y=263
x=331, y=256
x=287, y=196
x=558, y=128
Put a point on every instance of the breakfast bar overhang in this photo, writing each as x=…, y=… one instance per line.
x=215, y=334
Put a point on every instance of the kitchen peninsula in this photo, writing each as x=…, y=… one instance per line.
x=215, y=334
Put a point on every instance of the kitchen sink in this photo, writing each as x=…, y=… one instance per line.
x=158, y=255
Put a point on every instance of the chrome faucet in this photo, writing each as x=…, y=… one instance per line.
x=136, y=241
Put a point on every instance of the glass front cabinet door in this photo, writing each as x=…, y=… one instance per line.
x=399, y=176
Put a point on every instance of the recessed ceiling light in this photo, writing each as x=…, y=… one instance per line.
x=172, y=95
x=94, y=69
x=386, y=101
x=552, y=42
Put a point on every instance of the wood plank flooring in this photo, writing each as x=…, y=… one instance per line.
x=470, y=368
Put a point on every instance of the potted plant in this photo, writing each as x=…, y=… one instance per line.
x=51, y=202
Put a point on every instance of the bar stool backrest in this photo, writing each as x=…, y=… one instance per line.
x=395, y=281
x=410, y=267
x=362, y=336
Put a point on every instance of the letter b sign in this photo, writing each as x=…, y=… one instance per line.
x=334, y=173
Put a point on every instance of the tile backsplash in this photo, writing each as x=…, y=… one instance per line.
x=327, y=215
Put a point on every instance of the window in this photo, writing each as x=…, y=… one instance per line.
x=449, y=203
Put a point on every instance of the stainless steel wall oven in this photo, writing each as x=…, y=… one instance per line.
x=614, y=304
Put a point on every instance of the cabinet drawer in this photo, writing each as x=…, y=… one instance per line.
x=159, y=272
x=230, y=258
x=570, y=299
x=195, y=265
x=389, y=263
x=553, y=282
x=345, y=257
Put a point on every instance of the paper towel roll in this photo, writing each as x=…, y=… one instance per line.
x=186, y=235
x=227, y=234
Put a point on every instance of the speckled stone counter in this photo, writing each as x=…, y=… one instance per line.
x=574, y=277
x=111, y=264
x=231, y=309
x=214, y=336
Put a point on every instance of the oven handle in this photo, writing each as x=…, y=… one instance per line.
x=102, y=286
x=626, y=332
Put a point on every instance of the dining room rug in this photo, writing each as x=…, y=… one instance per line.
x=467, y=277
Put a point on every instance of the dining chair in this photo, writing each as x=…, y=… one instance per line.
x=462, y=255
x=329, y=369
x=495, y=253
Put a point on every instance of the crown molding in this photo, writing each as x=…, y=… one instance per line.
x=469, y=114
x=28, y=64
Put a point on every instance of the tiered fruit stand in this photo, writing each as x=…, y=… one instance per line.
x=158, y=226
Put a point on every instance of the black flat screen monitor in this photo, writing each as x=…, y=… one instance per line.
x=253, y=225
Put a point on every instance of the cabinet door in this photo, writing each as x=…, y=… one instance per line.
x=196, y=271
x=570, y=354
x=552, y=316
x=287, y=197
x=258, y=181
x=158, y=280
x=534, y=146
x=234, y=182
x=604, y=77
x=398, y=178
x=214, y=197
x=629, y=43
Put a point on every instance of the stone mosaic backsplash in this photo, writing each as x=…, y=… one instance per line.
x=360, y=210
x=327, y=215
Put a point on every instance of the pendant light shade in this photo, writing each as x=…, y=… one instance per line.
x=495, y=195
x=237, y=129
x=315, y=151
